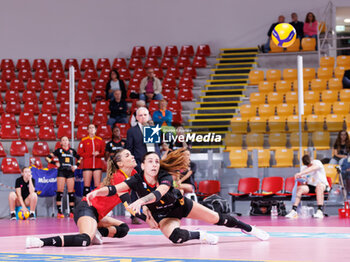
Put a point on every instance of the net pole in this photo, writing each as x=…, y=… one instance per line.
x=300, y=105
x=72, y=101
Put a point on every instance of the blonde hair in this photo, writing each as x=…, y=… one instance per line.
x=175, y=161
x=112, y=167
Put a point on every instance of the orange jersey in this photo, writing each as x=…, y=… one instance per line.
x=89, y=145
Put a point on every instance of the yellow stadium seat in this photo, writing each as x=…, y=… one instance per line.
x=327, y=61
x=277, y=140
x=277, y=124
x=291, y=97
x=274, y=48
x=344, y=95
x=322, y=28
x=308, y=44
x=284, y=157
x=331, y=172
x=309, y=73
x=273, y=75
x=315, y=123
x=311, y=96
x=233, y=140
x=321, y=140
x=257, y=124
x=295, y=47
x=254, y=141
x=267, y=110
x=308, y=109
x=341, y=108
x=255, y=76
x=275, y=98
x=335, y=84
x=329, y=96
x=335, y=122
x=322, y=108
x=283, y=86
x=266, y=86
x=290, y=74
x=264, y=158
x=339, y=72
x=293, y=123
x=257, y=98
x=318, y=84
x=325, y=73
x=285, y=109
x=306, y=85
x=247, y=110
x=343, y=60
x=239, y=125
x=294, y=139
x=347, y=120
x=238, y=158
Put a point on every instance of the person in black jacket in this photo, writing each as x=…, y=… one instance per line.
x=266, y=47
x=118, y=108
x=298, y=26
x=115, y=84
x=346, y=79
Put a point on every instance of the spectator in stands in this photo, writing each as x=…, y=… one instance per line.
x=313, y=176
x=186, y=182
x=341, y=148
x=139, y=103
x=113, y=84
x=150, y=87
x=266, y=47
x=164, y=150
x=346, y=79
x=310, y=25
x=119, y=109
x=163, y=117
x=25, y=194
x=115, y=144
x=298, y=25
x=180, y=131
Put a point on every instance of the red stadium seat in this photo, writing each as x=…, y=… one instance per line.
x=51, y=84
x=100, y=84
x=31, y=107
x=55, y=63
x=102, y=107
x=64, y=107
x=62, y=95
x=271, y=185
x=169, y=83
x=82, y=119
x=65, y=85
x=39, y=64
x=62, y=119
x=49, y=107
x=33, y=85
x=87, y=63
x=2, y=151
x=189, y=71
x=105, y=73
x=199, y=62
x=186, y=82
x=13, y=108
x=208, y=187
x=153, y=105
x=47, y=133
x=100, y=119
x=8, y=119
x=154, y=51
x=187, y=50
x=1, y=101
x=36, y=162
x=185, y=94
x=151, y=62
x=203, y=50
x=135, y=62
x=123, y=129
x=17, y=85
x=246, y=186
x=26, y=119
x=173, y=72
x=139, y=73
x=90, y=73
x=45, y=120
x=64, y=130
x=167, y=62
x=124, y=74
x=41, y=149
x=1, y=109
x=41, y=74
x=58, y=74
x=81, y=95
x=85, y=84
x=174, y=105
x=158, y=72
x=24, y=75
x=177, y=118
x=103, y=63
x=82, y=132
x=168, y=94
x=12, y=96
x=8, y=132
x=134, y=84
x=183, y=61
x=28, y=133
x=7, y=64
x=3, y=86
x=119, y=63
x=23, y=64
x=104, y=131
x=138, y=51
x=7, y=75
x=9, y=165
x=77, y=74
x=85, y=107
x=171, y=51
x=46, y=95
x=71, y=62
x=98, y=95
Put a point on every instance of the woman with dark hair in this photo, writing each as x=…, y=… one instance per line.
x=310, y=25
x=115, y=83
x=341, y=148
x=167, y=205
x=91, y=218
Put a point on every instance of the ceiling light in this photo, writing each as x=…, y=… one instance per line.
x=347, y=20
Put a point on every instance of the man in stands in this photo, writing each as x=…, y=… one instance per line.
x=266, y=47
x=150, y=87
x=298, y=26
x=118, y=108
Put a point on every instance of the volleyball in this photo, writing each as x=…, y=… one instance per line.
x=283, y=35
x=23, y=215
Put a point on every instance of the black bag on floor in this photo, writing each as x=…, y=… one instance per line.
x=217, y=203
x=264, y=207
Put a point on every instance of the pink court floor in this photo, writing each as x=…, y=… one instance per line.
x=291, y=240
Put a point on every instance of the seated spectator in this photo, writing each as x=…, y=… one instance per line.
x=266, y=47
x=310, y=26
x=25, y=194
x=113, y=84
x=180, y=131
x=187, y=181
x=162, y=117
x=346, y=79
x=115, y=144
x=314, y=180
x=341, y=148
x=298, y=26
x=164, y=150
x=150, y=87
x=118, y=108
x=133, y=120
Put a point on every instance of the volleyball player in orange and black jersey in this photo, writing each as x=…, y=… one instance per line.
x=65, y=174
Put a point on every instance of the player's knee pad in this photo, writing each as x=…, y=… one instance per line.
x=59, y=196
x=71, y=197
x=77, y=240
x=227, y=220
x=122, y=230
x=179, y=235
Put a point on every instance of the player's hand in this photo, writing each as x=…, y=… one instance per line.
x=91, y=196
x=74, y=168
x=58, y=164
x=96, y=153
x=298, y=175
x=150, y=220
x=135, y=207
x=25, y=209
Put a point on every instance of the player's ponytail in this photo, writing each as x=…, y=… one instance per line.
x=175, y=161
x=112, y=167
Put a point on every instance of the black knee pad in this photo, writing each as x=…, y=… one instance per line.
x=104, y=231
x=122, y=230
x=179, y=235
x=71, y=197
x=77, y=240
x=227, y=220
x=59, y=196
x=86, y=190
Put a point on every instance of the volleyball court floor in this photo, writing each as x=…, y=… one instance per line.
x=291, y=240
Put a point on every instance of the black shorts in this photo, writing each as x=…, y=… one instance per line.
x=83, y=209
x=65, y=173
x=91, y=169
x=312, y=189
x=181, y=209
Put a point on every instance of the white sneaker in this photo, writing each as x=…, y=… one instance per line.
x=97, y=240
x=34, y=242
x=207, y=238
x=319, y=214
x=258, y=233
x=292, y=214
